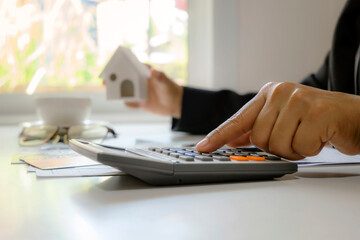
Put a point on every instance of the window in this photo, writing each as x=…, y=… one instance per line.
x=169, y=29
x=61, y=46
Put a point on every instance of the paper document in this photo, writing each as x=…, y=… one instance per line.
x=329, y=156
x=100, y=170
x=58, y=160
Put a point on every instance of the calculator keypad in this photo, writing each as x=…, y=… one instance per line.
x=243, y=154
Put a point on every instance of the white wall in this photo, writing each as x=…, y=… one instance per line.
x=242, y=44
x=200, y=24
x=283, y=40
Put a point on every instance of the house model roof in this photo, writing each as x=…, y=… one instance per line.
x=124, y=55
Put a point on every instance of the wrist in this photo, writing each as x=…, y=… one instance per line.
x=346, y=128
x=176, y=112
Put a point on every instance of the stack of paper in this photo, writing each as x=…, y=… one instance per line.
x=92, y=171
x=329, y=156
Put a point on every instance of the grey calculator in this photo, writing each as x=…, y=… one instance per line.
x=184, y=165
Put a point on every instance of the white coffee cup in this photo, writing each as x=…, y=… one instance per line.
x=63, y=111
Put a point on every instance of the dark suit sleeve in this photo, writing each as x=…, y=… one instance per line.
x=204, y=110
x=319, y=79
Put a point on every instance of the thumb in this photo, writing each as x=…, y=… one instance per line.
x=236, y=126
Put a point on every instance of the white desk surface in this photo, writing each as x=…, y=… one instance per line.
x=315, y=203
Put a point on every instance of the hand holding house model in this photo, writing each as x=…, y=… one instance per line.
x=126, y=77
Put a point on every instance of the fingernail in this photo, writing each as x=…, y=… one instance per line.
x=202, y=143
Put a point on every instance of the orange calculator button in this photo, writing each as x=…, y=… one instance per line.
x=238, y=158
x=256, y=158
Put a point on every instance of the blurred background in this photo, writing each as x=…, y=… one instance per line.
x=62, y=45
x=57, y=47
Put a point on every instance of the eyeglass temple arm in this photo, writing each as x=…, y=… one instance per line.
x=112, y=131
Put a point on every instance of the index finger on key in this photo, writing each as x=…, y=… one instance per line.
x=237, y=125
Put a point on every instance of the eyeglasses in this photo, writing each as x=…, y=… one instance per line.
x=41, y=134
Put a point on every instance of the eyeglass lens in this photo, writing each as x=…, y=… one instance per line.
x=36, y=135
x=87, y=132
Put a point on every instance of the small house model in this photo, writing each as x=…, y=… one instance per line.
x=126, y=77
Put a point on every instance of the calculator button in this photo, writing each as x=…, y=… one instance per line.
x=219, y=152
x=221, y=158
x=191, y=154
x=216, y=154
x=181, y=151
x=175, y=155
x=241, y=154
x=250, y=149
x=273, y=158
x=206, y=154
x=261, y=155
x=255, y=158
x=227, y=154
x=166, y=152
x=152, y=148
x=231, y=150
x=186, y=158
x=159, y=150
x=176, y=149
x=203, y=158
x=238, y=158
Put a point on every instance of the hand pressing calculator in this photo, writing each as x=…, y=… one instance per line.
x=184, y=165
